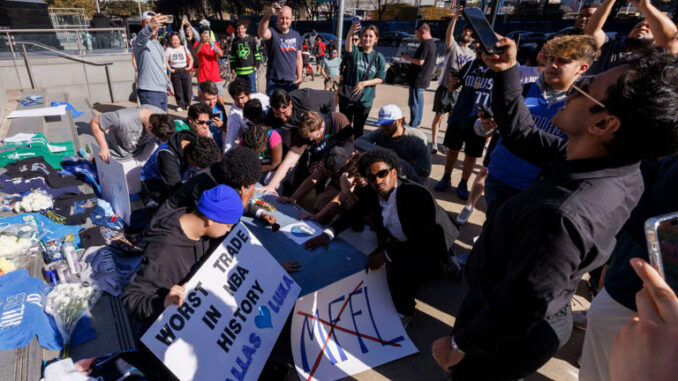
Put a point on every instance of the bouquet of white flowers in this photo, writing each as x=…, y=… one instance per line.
x=67, y=303
x=34, y=202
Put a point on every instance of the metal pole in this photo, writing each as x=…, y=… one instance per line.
x=139, y=5
x=416, y=22
x=10, y=43
x=340, y=24
x=108, y=79
x=493, y=16
x=97, y=2
x=28, y=66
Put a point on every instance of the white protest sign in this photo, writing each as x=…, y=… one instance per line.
x=346, y=328
x=301, y=231
x=113, y=186
x=235, y=306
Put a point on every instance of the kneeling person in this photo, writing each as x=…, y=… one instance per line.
x=176, y=243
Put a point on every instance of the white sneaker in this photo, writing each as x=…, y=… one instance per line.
x=464, y=215
x=180, y=109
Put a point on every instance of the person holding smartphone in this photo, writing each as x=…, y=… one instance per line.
x=284, y=54
x=532, y=253
x=208, y=53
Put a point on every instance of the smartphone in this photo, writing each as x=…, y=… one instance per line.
x=481, y=27
x=661, y=233
x=281, y=3
x=488, y=113
x=356, y=19
x=170, y=19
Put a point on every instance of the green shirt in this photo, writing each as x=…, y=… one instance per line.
x=357, y=64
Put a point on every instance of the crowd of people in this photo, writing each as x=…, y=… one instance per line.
x=577, y=144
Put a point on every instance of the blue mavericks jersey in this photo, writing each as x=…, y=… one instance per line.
x=477, y=83
x=511, y=169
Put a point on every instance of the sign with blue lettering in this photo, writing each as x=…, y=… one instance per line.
x=347, y=327
x=234, y=308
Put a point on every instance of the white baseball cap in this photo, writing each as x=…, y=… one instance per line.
x=147, y=15
x=389, y=114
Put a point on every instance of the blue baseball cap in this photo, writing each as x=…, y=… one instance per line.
x=221, y=204
x=389, y=114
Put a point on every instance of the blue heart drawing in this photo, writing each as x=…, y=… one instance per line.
x=263, y=320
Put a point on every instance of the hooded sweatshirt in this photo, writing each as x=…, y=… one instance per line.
x=168, y=162
x=168, y=260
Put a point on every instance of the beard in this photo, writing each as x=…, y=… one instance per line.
x=635, y=44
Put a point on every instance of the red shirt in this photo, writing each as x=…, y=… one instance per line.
x=208, y=63
x=320, y=48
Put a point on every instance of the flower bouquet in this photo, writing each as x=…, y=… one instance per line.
x=67, y=303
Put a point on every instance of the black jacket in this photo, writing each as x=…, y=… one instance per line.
x=168, y=260
x=426, y=225
x=525, y=267
x=172, y=160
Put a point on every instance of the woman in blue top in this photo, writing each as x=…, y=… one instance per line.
x=358, y=60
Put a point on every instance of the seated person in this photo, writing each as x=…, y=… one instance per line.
x=241, y=93
x=287, y=109
x=209, y=95
x=414, y=234
x=323, y=183
x=314, y=137
x=176, y=243
x=124, y=133
x=198, y=121
x=409, y=143
x=350, y=181
x=171, y=163
x=265, y=141
x=239, y=169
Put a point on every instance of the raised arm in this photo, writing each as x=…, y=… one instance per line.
x=594, y=27
x=348, y=44
x=263, y=30
x=514, y=120
x=449, y=34
x=663, y=29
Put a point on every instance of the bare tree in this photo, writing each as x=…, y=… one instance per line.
x=381, y=5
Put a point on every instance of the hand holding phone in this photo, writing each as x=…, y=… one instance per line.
x=486, y=111
x=482, y=29
x=661, y=233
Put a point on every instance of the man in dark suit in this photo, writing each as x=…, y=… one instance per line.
x=414, y=234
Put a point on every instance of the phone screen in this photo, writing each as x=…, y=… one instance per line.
x=482, y=29
x=667, y=237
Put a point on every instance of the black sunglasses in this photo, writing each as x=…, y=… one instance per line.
x=381, y=174
x=202, y=122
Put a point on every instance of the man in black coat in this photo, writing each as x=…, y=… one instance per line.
x=414, y=234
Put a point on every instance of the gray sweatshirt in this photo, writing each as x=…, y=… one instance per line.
x=411, y=148
x=150, y=62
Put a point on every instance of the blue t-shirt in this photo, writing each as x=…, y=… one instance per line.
x=22, y=314
x=511, y=169
x=282, y=55
x=477, y=84
x=51, y=229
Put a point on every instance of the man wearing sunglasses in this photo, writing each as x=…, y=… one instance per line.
x=414, y=234
x=532, y=253
x=568, y=57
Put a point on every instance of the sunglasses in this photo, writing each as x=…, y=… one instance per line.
x=202, y=122
x=379, y=175
x=581, y=87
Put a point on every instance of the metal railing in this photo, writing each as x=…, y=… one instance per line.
x=73, y=40
x=64, y=55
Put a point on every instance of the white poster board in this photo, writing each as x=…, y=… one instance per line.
x=42, y=111
x=114, y=186
x=347, y=327
x=234, y=308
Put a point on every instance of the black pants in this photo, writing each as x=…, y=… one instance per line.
x=156, y=190
x=183, y=88
x=522, y=357
x=356, y=114
x=405, y=274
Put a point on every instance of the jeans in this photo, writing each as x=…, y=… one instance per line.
x=272, y=85
x=496, y=192
x=183, y=88
x=252, y=77
x=416, y=103
x=155, y=98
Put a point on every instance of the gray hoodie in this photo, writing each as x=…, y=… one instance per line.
x=150, y=59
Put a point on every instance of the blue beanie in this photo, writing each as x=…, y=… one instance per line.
x=221, y=204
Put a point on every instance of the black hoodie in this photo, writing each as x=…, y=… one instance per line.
x=172, y=160
x=168, y=260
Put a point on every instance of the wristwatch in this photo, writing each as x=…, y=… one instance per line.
x=455, y=346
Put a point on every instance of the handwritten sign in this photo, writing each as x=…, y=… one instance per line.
x=346, y=328
x=234, y=308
